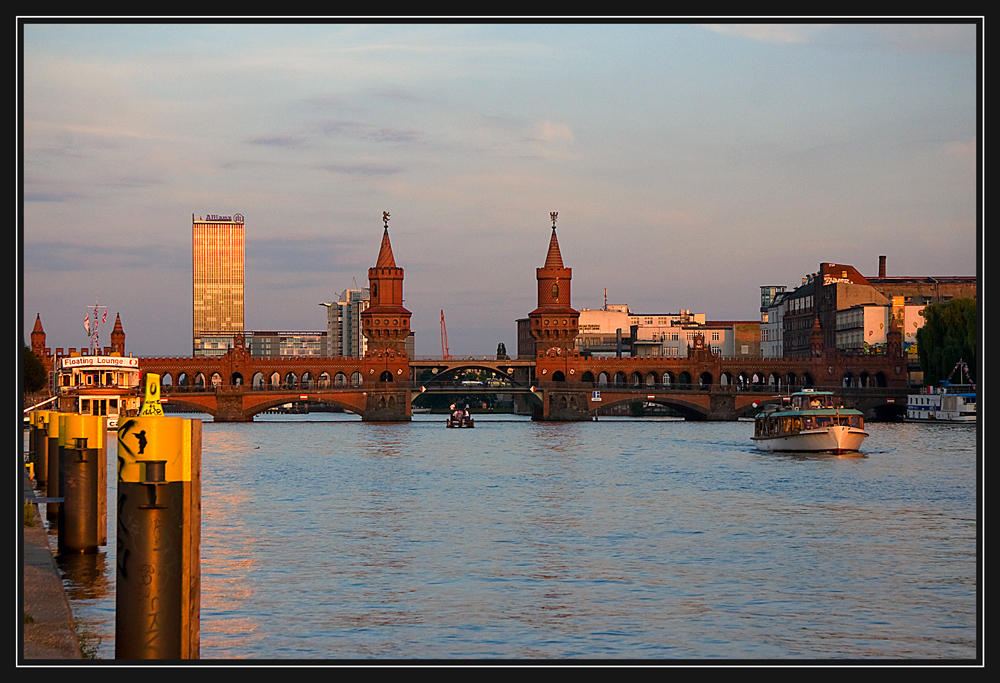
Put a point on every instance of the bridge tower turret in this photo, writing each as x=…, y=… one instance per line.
x=386, y=323
x=554, y=323
x=118, y=336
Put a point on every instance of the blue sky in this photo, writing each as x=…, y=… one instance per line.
x=689, y=165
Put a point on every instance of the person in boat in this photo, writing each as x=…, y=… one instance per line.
x=814, y=403
x=465, y=415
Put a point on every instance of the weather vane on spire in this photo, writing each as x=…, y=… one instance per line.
x=385, y=219
x=553, y=215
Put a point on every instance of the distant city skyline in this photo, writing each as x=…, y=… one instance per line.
x=689, y=165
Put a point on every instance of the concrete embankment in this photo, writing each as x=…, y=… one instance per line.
x=48, y=632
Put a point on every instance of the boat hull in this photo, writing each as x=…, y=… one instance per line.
x=836, y=439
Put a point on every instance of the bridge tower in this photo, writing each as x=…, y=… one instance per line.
x=386, y=326
x=554, y=323
x=118, y=336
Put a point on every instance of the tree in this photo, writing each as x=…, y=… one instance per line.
x=35, y=376
x=948, y=336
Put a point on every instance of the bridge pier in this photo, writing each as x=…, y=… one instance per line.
x=563, y=406
x=230, y=408
x=387, y=405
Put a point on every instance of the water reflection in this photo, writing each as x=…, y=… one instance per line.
x=336, y=539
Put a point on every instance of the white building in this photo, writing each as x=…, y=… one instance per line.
x=866, y=325
x=343, y=323
x=862, y=326
x=604, y=332
x=771, y=313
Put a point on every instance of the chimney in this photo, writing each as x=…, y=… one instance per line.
x=881, y=266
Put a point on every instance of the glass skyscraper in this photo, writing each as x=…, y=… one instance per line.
x=217, y=260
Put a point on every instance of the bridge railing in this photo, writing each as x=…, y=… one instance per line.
x=460, y=385
x=720, y=388
x=306, y=387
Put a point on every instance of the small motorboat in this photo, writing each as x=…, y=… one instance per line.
x=460, y=418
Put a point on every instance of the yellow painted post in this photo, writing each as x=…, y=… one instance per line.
x=83, y=454
x=158, y=592
x=38, y=445
x=52, y=466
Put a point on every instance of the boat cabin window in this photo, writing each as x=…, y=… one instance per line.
x=814, y=402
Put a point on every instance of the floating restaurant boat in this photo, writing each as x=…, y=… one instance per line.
x=948, y=403
x=107, y=386
x=811, y=422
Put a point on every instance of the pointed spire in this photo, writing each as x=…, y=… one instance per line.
x=553, y=259
x=38, y=324
x=118, y=325
x=385, y=258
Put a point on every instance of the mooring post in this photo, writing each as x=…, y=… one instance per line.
x=38, y=446
x=158, y=596
x=53, y=444
x=82, y=525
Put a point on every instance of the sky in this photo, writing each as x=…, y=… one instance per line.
x=689, y=164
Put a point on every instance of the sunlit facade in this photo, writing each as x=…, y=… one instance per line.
x=217, y=262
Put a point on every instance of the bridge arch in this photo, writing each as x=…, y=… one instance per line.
x=705, y=379
x=587, y=377
x=688, y=410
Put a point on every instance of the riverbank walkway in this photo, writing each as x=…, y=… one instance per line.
x=48, y=630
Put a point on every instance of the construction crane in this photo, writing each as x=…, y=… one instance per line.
x=444, y=340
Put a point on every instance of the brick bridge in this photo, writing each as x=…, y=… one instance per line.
x=557, y=386
x=559, y=383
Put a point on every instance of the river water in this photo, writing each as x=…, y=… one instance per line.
x=325, y=538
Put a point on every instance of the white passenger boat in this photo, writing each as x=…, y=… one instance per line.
x=811, y=422
x=948, y=403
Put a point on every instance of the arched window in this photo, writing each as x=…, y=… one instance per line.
x=555, y=291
